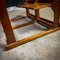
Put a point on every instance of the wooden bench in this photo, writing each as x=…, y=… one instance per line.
x=11, y=41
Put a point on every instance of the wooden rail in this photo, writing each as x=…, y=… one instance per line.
x=22, y=25
x=18, y=18
x=31, y=38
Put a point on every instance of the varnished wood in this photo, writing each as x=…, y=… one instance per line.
x=35, y=6
x=56, y=19
x=44, y=21
x=36, y=14
x=11, y=42
x=31, y=38
x=56, y=8
x=18, y=18
x=41, y=4
x=27, y=12
x=22, y=25
x=6, y=23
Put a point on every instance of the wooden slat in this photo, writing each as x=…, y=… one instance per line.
x=21, y=25
x=43, y=21
x=47, y=23
x=19, y=18
x=31, y=38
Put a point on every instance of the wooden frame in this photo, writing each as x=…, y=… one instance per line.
x=36, y=6
x=11, y=41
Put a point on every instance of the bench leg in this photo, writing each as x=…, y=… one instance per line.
x=36, y=14
x=6, y=24
x=27, y=12
x=56, y=19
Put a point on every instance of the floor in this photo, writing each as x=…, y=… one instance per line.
x=44, y=48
